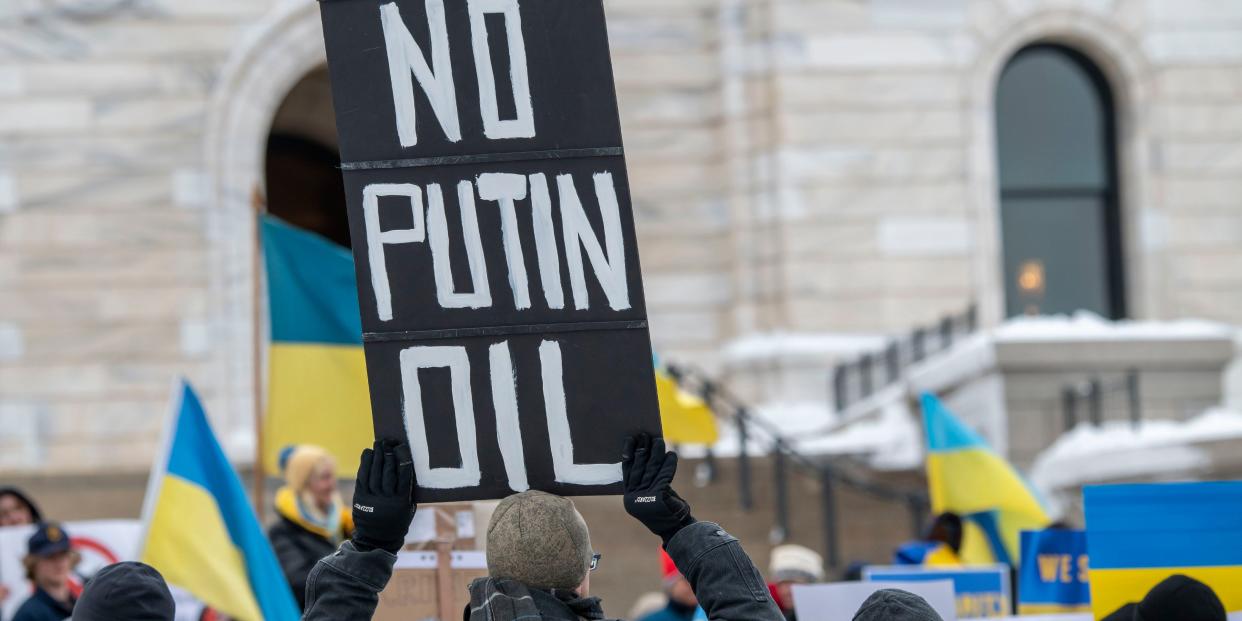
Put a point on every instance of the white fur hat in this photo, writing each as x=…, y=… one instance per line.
x=794, y=563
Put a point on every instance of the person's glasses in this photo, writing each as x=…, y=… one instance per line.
x=595, y=560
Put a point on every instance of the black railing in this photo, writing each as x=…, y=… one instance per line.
x=751, y=429
x=873, y=371
x=1087, y=398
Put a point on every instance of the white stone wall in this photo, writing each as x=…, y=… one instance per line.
x=797, y=166
x=105, y=257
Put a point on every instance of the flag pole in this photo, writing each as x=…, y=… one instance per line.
x=260, y=477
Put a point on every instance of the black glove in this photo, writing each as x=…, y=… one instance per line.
x=647, y=471
x=384, y=497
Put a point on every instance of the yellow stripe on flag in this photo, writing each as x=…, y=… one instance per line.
x=975, y=480
x=686, y=418
x=317, y=395
x=1113, y=588
x=187, y=524
x=1051, y=609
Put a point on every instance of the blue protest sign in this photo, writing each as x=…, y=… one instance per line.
x=1053, y=574
x=983, y=591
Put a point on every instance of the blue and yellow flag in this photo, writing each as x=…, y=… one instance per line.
x=201, y=533
x=966, y=477
x=317, y=376
x=1138, y=535
x=686, y=418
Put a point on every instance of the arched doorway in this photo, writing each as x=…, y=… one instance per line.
x=1057, y=172
x=302, y=163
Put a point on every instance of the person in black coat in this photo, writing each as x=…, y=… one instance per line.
x=312, y=519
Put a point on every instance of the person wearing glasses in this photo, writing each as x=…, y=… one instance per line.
x=539, y=554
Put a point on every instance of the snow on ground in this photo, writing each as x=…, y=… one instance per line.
x=786, y=346
x=1117, y=450
x=890, y=441
x=1086, y=326
x=881, y=430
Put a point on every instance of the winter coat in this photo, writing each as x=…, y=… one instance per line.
x=346, y=585
x=43, y=607
x=507, y=600
x=299, y=544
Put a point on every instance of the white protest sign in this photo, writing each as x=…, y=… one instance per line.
x=99, y=543
x=839, y=601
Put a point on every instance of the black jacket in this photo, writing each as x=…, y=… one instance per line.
x=42, y=607
x=346, y=585
x=298, y=550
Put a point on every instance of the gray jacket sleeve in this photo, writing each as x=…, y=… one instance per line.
x=346, y=585
x=724, y=579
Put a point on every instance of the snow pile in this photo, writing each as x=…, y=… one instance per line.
x=889, y=441
x=788, y=346
x=792, y=419
x=1086, y=326
x=1117, y=450
x=974, y=357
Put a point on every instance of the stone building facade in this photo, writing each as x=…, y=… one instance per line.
x=798, y=166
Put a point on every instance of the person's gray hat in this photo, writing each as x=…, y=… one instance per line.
x=540, y=540
x=896, y=605
x=126, y=592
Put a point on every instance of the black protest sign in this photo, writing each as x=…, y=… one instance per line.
x=502, y=305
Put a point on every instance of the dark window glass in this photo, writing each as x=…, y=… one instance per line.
x=1060, y=221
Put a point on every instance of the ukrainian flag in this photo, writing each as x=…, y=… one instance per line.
x=685, y=417
x=317, y=376
x=967, y=478
x=1138, y=535
x=200, y=530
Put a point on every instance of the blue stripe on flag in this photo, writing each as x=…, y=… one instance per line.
x=944, y=431
x=196, y=457
x=312, y=287
x=1182, y=525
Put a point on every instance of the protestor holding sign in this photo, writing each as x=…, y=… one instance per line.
x=503, y=316
x=539, y=547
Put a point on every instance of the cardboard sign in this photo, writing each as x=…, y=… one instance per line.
x=981, y=591
x=502, y=304
x=1053, y=577
x=430, y=585
x=839, y=601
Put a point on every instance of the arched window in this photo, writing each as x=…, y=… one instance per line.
x=1060, y=218
x=304, y=183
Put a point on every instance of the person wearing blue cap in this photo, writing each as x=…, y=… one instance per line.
x=49, y=561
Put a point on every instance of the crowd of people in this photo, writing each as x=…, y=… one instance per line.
x=337, y=558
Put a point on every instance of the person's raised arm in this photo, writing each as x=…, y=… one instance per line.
x=724, y=579
x=346, y=584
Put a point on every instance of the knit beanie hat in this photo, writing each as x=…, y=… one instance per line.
x=540, y=540
x=896, y=605
x=126, y=592
x=794, y=563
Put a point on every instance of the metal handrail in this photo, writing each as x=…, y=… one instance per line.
x=1093, y=390
x=896, y=357
x=728, y=406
